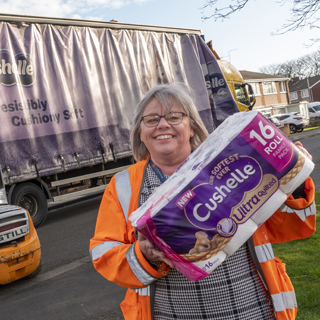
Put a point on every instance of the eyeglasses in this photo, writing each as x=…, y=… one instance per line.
x=173, y=118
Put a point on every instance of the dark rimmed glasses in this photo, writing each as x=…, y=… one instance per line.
x=173, y=118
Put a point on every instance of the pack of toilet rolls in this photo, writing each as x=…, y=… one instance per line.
x=233, y=182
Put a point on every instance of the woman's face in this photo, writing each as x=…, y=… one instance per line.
x=166, y=140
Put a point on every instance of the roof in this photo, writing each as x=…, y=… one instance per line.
x=251, y=76
x=303, y=83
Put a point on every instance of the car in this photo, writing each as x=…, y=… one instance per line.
x=314, y=110
x=297, y=122
x=275, y=121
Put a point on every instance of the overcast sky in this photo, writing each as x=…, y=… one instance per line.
x=245, y=38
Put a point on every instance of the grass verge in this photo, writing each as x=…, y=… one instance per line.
x=302, y=258
x=311, y=128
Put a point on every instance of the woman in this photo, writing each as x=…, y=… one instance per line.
x=250, y=284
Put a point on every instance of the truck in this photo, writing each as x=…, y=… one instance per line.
x=241, y=91
x=68, y=92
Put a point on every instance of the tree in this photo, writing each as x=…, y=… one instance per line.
x=303, y=67
x=304, y=13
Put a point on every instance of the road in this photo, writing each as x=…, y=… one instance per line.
x=68, y=287
x=313, y=146
x=311, y=141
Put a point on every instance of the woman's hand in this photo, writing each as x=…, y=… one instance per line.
x=303, y=150
x=150, y=252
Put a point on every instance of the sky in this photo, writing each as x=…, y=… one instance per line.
x=244, y=39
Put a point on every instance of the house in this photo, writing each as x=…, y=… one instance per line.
x=307, y=89
x=271, y=92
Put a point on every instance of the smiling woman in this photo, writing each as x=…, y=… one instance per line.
x=166, y=128
x=168, y=144
x=178, y=128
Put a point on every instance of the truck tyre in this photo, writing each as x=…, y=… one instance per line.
x=293, y=128
x=35, y=272
x=31, y=197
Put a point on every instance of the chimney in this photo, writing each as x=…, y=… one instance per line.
x=295, y=79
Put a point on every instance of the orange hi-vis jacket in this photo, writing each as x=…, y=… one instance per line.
x=116, y=253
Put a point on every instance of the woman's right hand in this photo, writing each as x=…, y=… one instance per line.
x=150, y=252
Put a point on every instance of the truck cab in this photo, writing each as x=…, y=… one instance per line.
x=20, y=250
x=242, y=92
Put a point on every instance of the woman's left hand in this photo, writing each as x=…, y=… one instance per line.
x=303, y=150
x=150, y=252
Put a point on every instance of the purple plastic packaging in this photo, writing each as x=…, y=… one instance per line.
x=211, y=205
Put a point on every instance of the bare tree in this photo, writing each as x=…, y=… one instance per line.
x=274, y=69
x=224, y=12
x=287, y=69
x=303, y=67
x=312, y=64
x=304, y=13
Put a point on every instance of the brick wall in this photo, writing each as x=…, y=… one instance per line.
x=316, y=92
x=271, y=99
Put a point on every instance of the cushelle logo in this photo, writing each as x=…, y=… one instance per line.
x=233, y=182
x=217, y=84
x=16, y=69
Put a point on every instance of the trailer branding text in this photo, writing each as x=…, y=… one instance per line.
x=30, y=104
x=38, y=106
x=19, y=69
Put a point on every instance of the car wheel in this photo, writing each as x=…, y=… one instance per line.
x=300, y=130
x=293, y=128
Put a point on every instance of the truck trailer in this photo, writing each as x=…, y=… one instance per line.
x=68, y=92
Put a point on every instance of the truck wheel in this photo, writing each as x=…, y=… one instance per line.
x=31, y=197
x=293, y=128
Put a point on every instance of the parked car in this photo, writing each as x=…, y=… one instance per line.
x=314, y=110
x=275, y=121
x=297, y=122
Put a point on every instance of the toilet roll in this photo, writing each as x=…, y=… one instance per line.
x=232, y=183
x=243, y=233
x=297, y=175
x=269, y=208
x=212, y=263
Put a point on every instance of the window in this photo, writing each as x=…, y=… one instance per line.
x=305, y=93
x=293, y=95
x=314, y=108
x=241, y=94
x=256, y=88
x=269, y=87
x=283, y=117
x=283, y=87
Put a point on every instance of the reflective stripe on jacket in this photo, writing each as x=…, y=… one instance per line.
x=116, y=254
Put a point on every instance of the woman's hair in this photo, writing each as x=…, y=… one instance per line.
x=167, y=94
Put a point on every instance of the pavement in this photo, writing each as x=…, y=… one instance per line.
x=299, y=136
